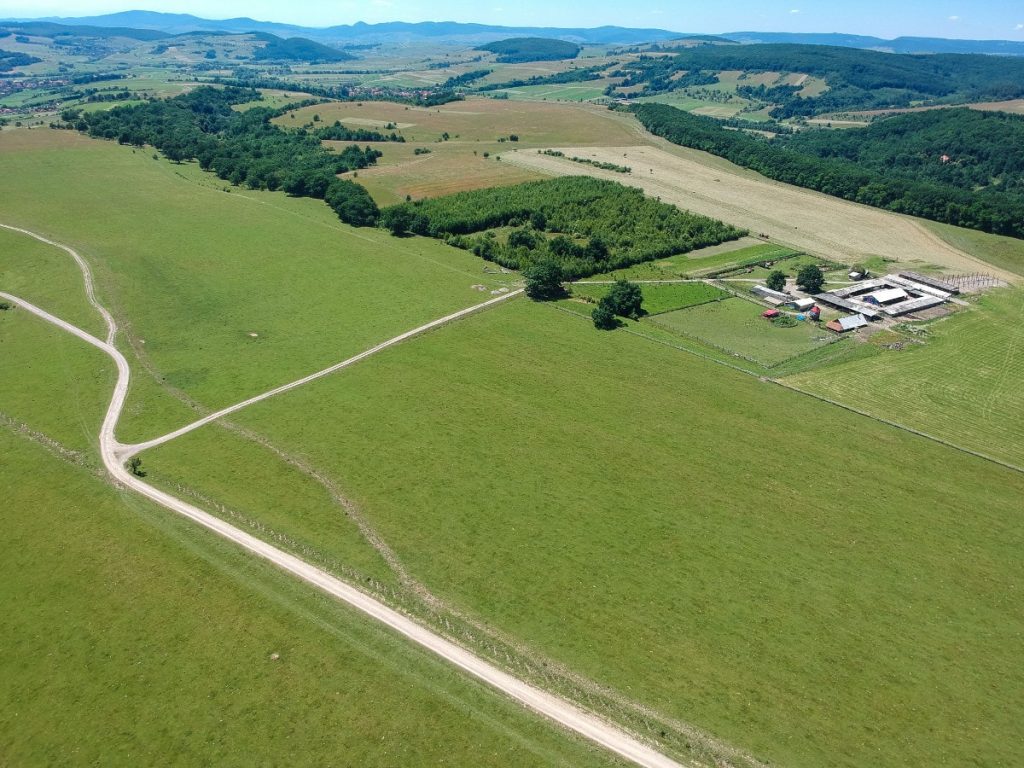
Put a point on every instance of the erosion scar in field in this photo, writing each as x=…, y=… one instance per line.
x=810, y=221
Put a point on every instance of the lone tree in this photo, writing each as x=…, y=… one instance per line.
x=625, y=299
x=604, y=317
x=544, y=280
x=398, y=219
x=135, y=467
x=810, y=279
x=776, y=280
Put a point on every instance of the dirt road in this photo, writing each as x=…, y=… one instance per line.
x=802, y=219
x=553, y=707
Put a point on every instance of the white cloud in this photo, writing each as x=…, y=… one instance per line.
x=954, y=18
x=1019, y=27
x=795, y=10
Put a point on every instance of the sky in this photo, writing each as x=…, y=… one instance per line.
x=976, y=19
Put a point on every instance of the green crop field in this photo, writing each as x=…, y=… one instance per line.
x=963, y=384
x=706, y=557
x=131, y=638
x=737, y=326
x=661, y=298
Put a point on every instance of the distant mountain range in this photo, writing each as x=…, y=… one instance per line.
x=360, y=32
x=898, y=45
x=476, y=34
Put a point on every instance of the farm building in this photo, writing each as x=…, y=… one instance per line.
x=776, y=298
x=892, y=296
x=847, y=324
x=886, y=296
x=801, y=305
x=770, y=314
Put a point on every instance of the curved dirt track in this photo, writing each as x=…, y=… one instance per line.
x=809, y=221
x=553, y=707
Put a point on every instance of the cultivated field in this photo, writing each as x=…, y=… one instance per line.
x=659, y=561
x=802, y=219
x=962, y=384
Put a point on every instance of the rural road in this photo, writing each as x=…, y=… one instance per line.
x=127, y=451
x=557, y=709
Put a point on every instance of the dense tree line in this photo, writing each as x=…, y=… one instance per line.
x=10, y=59
x=460, y=81
x=521, y=49
x=857, y=79
x=896, y=164
x=579, y=75
x=433, y=97
x=339, y=132
x=584, y=225
x=241, y=147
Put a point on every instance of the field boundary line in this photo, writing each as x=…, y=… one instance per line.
x=897, y=425
x=125, y=452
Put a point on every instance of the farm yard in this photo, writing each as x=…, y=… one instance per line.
x=736, y=326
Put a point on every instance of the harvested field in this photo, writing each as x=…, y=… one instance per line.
x=485, y=120
x=802, y=219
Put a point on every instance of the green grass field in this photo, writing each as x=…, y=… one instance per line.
x=131, y=638
x=679, y=533
x=661, y=298
x=962, y=385
x=737, y=326
x=227, y=294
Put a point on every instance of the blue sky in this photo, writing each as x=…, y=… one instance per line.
x=997, y=19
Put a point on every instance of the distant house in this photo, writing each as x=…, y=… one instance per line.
x=847, y=324
x=772, y=297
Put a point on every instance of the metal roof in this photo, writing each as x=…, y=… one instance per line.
x=852, y=322
x=886, y=295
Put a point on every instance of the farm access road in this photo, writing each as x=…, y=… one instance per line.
x=557, y=709
x=826, y=226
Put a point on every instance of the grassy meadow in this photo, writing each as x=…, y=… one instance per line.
x=226, y=292
x=962, y=384
x=681, y=534
x=1003, y=252
x=132, y=638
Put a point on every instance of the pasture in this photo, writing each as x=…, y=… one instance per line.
x=962, y=384
x=647, y=569
x=736, y=326
x=121, y=620
x=225, y=292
